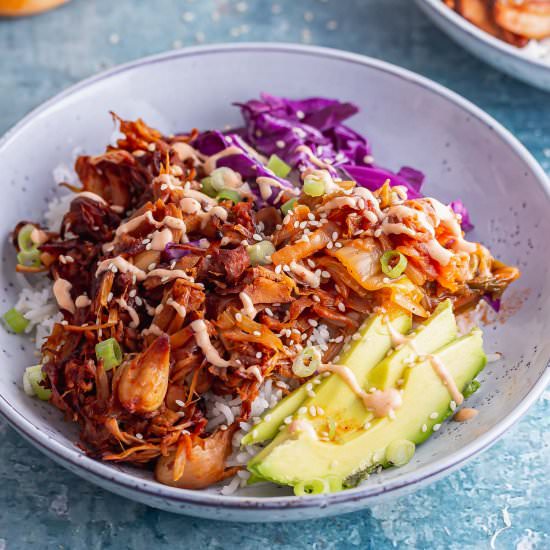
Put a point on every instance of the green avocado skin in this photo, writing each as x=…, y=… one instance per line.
x=426, y=404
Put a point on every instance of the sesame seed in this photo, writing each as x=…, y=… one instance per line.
x=334, y=235
x=286, y=268
x=325, y=274
x=257, y=237
x=278, y=269
x=452, y=405
x=341, y=307
x=138, y=301
x=313, y=322
x=238, y=317
x=316, y=298
x=356, y=336
x=436, y=427
x=148, y=246
x=139, y=436
x=424, y=428
x=151, y=266
x=320, y=411
x=309, y=386
x=311, y=263
x=330, y=245
x=280, y=144
x=259, y=355
x=296, y=224
x=179, y=403
x=434, y=415
x=303, y=225
x=302, y=410
x=391, y=414
x=267, y=417
x=223, y=427
x=338, y=245
x=268, y=311
x=366, y=425
x=288, y=420
x=109, y=296
x=312, y=410
x=257, y=333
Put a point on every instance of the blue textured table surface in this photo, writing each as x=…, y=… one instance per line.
x=43, y=506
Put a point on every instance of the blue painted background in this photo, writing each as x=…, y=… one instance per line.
x=43, y=506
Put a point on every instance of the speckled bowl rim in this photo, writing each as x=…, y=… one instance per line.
x=95, y=470
x=481, y=36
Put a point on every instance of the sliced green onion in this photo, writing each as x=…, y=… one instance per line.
x=316, y=486
x=393, y=263
x=288, y=205
x=207, y=187
x=314, y=186
x=278, y=166
x=400, y=452
x=24, y=237
x=307, y=362
x=222, y=177
x=229, y=194
x=260, y=253
x=109, y=351
x=31, y=383
x=15, y=320
x=29, y=258
x=471, y=388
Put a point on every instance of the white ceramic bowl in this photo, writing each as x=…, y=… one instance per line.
x=411, y=121
x=497, y=53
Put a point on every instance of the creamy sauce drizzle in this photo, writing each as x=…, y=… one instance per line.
x=155, y=330
x=203, y=341
x=134, y=223
x=160, y=239
x=211, y=162
x=185, y=151
x=131, y=311
x=248, y=305
x=302, y=426
x=463, y=415
x=38, y=236
x=92, y=196
x=179, y=309
x=315, y=160
x=122, y=265
x=62, y=293
x=218, y=212
x=82, y=301
x=169, y=274
x=189, y=205
x=381, y=403
x=446, y=377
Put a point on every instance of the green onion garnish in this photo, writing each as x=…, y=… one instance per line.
x=207, y=188
x=109, y=351
x=24, y=237
x=260, y=253
x=307, y=362
x=229, y=194
x=471, y=388
x=15, y=320
x=315, y=486
x=393, y=263
x=314, y=186
x=288, y=205
x=29, y=258
x=400, y=452
x=278, y=166
x=32, y=378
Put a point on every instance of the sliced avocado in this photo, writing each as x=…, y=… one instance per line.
x=301, y=457
x=331, y=393
x=438, y=330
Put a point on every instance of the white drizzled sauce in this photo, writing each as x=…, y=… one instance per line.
x=131, y=311
x=169, y=274
x=38, y=236
x=185, y=151
x=122, y=265
x=248, y=305
x=315, y=160
x=203, y=341
x=204, y=199
x=399, y=339
x=92, y=196
x=266, y=185
x=211, y=162
x=179, y=309
x=160, y=239
x=305, y=275
x=189, y=205
x=155, y=330
x=82, y=301
x=134, y=223
x=381, y=403
x=62, y=293
x=463, y=415
x=218, y=212
x=446, y=377
x=302, y=426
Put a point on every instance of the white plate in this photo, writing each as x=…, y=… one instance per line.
x=499, y=54
x=410, y=121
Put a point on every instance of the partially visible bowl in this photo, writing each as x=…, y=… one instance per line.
x=497, y=53
x=410, y=121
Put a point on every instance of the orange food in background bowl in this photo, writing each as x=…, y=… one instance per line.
x=16, y=8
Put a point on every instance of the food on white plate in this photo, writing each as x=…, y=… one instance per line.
x=261, y=304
